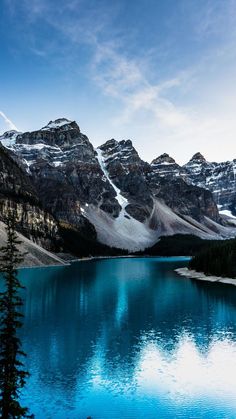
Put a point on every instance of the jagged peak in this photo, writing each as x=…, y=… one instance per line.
x=11, y=133
x=113, y=144
x=108, y=144
x=122, y=151
x=126, y=143
x=198, y=156
x=163, y=158
x=8, y=139
x=60, y=122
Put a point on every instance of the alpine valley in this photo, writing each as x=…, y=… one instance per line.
x=72, y=198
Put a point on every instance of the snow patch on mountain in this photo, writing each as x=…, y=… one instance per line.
x=8, y=139
x=58, y=123
x=57, y=143
x=227, y=213
x=120, y=198
x=126, y=195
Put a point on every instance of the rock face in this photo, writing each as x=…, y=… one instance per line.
x=109, y=193
x=65, y=170
x=127, y=172
x=219, y=178
x=186, y=199
x=165, y=166
x=17, y=193
x=35, y=255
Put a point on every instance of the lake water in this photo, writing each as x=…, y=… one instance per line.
x=128, y=338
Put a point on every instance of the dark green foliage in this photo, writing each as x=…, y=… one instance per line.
x=12, y=374
x=80, y=244
x=177, y=245
x=83, y=245
x=218, y=259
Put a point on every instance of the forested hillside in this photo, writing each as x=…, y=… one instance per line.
x=218, y=259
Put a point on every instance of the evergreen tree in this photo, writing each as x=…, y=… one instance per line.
x=12, y=373
x=218, y=259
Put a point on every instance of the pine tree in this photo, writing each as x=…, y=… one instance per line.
x=12, y=373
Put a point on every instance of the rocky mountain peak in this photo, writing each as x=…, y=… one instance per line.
x=122, y=151
x=9, y=134
x=111, y=191
x=197, y=157
x=163, y=158
x=164, y=166
x=59, y=143
x=8, y=139
x=62, y=124
x=108, y=145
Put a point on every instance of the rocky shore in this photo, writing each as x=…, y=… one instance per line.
x=188, y=273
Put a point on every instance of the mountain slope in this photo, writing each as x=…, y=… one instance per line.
x=18, y=193
x=35, y=255
x=110, y=192
x=218, y=178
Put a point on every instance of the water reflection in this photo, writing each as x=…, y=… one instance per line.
x=129, y=338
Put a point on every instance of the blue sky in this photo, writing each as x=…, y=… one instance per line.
x=160, y=72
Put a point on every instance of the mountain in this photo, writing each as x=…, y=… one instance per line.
x=35, y=255
x=39, y=227
x=218, y=178
x=18, y=193
x=165, y=166
x=109, y=194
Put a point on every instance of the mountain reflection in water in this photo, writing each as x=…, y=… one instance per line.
x=128, y=338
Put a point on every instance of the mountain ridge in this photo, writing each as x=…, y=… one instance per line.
x=125, y=201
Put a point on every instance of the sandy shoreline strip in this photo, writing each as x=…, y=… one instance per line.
x=188, y=273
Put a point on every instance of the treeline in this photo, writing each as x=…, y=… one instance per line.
x=217, y=259
x=82, y=244
x=177, y=245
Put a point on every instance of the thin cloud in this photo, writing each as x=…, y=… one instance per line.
x=8, y=122
x=123, y=78
x=183, y=109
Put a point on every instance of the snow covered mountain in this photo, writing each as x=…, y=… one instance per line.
x=111, y=193
x=219, y=178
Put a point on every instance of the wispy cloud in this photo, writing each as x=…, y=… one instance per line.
x=123, y=78
x=216, y=18
x=159, y=102
x=8, y=122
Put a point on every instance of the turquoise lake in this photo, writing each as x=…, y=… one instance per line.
x=128, y=338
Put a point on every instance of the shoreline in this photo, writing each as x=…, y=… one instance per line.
x=68, y=262
x=200, y=276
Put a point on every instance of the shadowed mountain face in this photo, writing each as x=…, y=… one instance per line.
x=110, y=192
x=218, y=178
x=18, y=193
x=64, y=169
